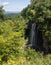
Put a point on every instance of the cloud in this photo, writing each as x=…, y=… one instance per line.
x=4, y=3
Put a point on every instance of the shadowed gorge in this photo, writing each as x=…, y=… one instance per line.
x=37, y=39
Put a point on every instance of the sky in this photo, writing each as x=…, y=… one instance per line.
x=14, y=5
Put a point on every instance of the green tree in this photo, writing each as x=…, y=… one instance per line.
x=40, y=12
x=1, y=13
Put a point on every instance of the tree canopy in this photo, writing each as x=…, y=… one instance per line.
x=1, y=13
x=39, y=11
x=13, y=50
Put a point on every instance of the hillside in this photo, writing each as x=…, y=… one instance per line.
x=25, y=37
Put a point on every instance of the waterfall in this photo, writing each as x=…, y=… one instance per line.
x=33, y=36
x=37, y=39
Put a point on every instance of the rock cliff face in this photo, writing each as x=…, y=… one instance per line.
x=37, y=39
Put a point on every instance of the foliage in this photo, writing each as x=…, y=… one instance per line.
x=12, y=33
x=31, y=58
x=11, y=38
x=1, y=13
x=39, y=12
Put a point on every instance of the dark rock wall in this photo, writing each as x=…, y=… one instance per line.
x=41, y=43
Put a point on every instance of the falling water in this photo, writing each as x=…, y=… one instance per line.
x=37, y=40
x=33, y=36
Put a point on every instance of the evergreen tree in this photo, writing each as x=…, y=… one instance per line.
x=1, y=13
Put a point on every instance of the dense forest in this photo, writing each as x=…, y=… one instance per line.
x=25, y=37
